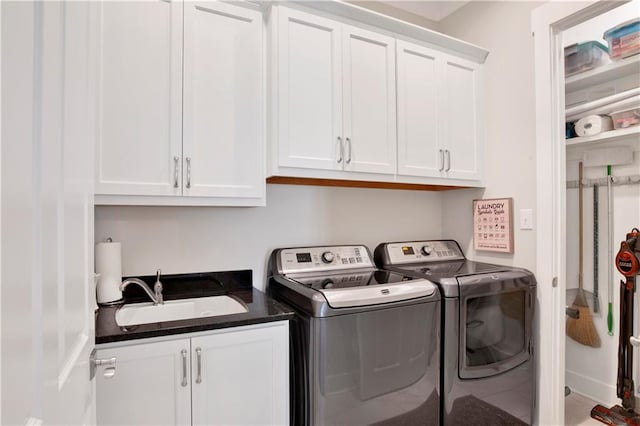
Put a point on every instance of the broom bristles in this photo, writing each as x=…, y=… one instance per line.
x=582, y=329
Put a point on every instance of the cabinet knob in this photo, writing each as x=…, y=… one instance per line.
x=341, y=150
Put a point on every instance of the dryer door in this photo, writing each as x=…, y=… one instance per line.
x=496, y=312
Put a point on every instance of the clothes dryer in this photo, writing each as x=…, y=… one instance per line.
x=488, y=372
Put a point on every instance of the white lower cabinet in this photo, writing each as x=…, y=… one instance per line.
x=234, y=376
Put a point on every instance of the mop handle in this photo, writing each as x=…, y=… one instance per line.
x=610, y=253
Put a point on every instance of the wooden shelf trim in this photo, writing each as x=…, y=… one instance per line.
x=359, y=184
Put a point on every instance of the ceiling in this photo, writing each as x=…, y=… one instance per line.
x=433, y=10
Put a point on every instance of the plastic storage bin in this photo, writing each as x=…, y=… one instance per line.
x=624, y=119
x=582, y=57
x=624, y=39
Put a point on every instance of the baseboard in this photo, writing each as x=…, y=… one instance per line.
x=602, y=393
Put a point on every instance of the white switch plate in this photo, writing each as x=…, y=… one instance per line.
x=526, y=219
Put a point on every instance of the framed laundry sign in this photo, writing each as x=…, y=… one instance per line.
x=493, y=225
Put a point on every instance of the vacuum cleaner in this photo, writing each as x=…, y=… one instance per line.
x=628, y=264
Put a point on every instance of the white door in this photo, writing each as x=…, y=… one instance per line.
x=309, y=97
x=223, y=101
x=461, y=85
x=50, y=189
x=241, y=376
x=68, y=295
x=19, y=281
x=419, y=150
x=369, y=100
x=139, y=151
x=151, y=384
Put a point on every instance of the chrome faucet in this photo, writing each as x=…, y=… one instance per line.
x=156, y=295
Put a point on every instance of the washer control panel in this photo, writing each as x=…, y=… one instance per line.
x=331, y=258
x=423, y=251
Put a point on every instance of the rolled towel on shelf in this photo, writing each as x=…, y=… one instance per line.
x=593, y=125
x=620, y=101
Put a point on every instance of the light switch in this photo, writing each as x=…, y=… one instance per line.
x=526, y=219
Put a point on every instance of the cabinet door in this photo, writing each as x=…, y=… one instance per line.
x=223, y=101
x=241, y=377
x=151, y=385
x=461, y=85
x=369, y=99
x=309, y=91
x=140, y=141
x=419, y=151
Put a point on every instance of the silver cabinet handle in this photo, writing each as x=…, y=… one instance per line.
x=341, y=150
x=188, y=172
x=199, y=362
x=175, y=171
x=349, y=146
x=448, y=160
x=441, y=160
x=184, y=367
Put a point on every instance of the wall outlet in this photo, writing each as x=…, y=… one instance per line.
x=526, y=219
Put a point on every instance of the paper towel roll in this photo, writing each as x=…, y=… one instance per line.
x=593, y=125
x=109, y=266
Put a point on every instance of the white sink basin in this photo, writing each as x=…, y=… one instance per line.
x=172, y=310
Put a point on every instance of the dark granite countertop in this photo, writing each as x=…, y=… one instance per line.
x=261, y=308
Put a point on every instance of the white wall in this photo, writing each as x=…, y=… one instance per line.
x=389, y=10
x=194, y=239
x=584, y=373
x=504, y=29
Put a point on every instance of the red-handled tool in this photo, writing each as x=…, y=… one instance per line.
x=628, y=264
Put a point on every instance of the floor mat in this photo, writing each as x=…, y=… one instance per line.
x=471, y=411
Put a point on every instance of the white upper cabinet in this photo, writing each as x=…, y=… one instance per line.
x=364, y=97
x=369, y=101
x=438, y=114
x=140, y=89
x=419, y=151
x=460, y=120
x=335, y=95
x=223, y=103
x=182, y=104
x=309, y=97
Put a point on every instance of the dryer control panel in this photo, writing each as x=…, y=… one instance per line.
x=328, y=258
x=423, y=251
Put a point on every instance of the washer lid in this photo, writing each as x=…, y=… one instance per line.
x=377, y=294
x=365, y=287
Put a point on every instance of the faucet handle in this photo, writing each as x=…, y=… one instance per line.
x=157, y=288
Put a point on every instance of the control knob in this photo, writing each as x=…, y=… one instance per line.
x=327, y=257
x=426, y=250
x=327, y=283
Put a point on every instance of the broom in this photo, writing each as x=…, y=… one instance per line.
x=582, y=329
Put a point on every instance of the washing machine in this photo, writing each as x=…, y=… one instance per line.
x=365, y=342
x=488, y=375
